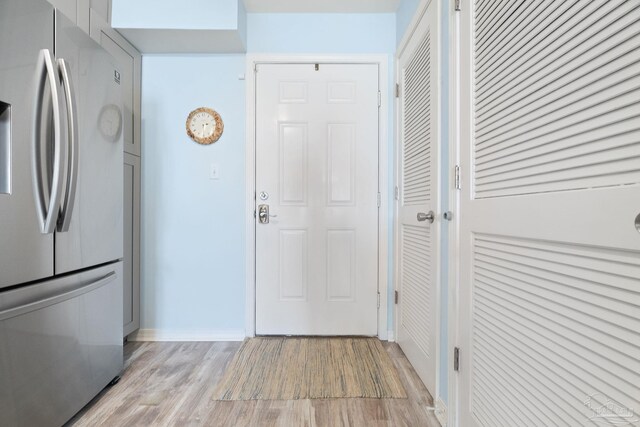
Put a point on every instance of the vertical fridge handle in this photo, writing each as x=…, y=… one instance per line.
x=47, y=212
x=72, y=140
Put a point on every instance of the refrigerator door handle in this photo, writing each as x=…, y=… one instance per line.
x=39, y=303
x=45, y=72
x=72, y=140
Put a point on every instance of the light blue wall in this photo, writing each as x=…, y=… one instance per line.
x=171, y=14
x=193, y=237
x=406, y=11
x=193, y=248
x=321, y=33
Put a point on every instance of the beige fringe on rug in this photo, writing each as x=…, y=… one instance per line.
x=289, y=368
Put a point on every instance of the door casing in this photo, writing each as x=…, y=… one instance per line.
x=383, y=177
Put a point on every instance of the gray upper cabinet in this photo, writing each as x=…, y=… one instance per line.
x=67, y=7
x=84, y=8
x=93, y=16
x=130, y=65
x=78, y=11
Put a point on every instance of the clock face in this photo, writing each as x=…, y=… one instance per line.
x=204, y=125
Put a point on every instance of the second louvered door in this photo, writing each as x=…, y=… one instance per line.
x=417, y=240
x=550, y=204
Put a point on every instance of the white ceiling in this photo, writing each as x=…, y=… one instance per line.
x=321, y=6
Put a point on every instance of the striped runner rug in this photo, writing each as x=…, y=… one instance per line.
x=290, y=368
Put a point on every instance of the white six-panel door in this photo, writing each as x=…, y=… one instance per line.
x=317, y=171
x=418, y=170
x=550, y=240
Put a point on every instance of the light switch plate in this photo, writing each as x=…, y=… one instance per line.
x=214, y=172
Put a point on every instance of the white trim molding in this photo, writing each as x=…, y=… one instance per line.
x=453, y=313
x=391, y=336
x=382, y=61
x=186, y=335
x=441, y=412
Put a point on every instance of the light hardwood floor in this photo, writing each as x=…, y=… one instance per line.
x=170, y=384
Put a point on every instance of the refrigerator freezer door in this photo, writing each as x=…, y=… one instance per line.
x=26, y=27
x=95, y=231
x=60, y=344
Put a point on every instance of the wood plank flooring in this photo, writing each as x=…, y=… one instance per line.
x=171, y=384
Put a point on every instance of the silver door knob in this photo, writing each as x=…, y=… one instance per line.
x=426, y=216
x=264, y=215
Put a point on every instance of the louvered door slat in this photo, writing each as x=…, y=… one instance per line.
x=621, y=70
x=579, y=70
x=503, y=24
x=506, y=317
x=536, y=150
x=416, y=124
x=487, y=22
x=491, y=62
x=496, y=40
x=618, y=147
x=549, y=249
x=537, y=63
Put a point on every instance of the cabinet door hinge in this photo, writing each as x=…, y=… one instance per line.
x=458, y=183
x=378, y=299
x=396, y=193
x=396, y=297
x=379, y=199
x=397, y=90
x=458, y=5
x=456, y=359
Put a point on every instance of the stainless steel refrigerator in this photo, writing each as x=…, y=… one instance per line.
x=61, y=216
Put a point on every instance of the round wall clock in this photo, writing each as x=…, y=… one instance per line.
x=204, y=125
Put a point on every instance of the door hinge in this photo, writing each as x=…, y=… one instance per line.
x=396, y=193
x=379, y=199
x=396, y=297
x=378, y=299
x=379, y=99
x=456, y=359
x=397, y=90
x=255, y=68
x=458, y=5
x=458, y=182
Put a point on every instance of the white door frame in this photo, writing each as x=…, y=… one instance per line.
x=454, y=202
x=250, y=173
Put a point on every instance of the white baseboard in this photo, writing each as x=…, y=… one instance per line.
x=186, y=335
x=390, y=336
x=441, y=412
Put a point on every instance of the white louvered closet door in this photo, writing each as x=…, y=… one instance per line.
x=417, y=240
x=550, y=249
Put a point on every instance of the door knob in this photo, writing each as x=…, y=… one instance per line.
x=638, y=223
x=263, y=214
x=426, y=216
